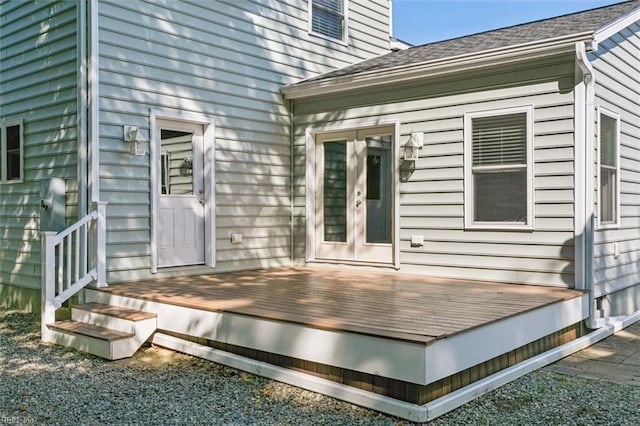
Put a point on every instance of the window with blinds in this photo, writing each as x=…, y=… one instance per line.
x=498, y=176
x=328, y=18
x=608, y=188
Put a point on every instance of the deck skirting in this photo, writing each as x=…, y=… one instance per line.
x=398, y=389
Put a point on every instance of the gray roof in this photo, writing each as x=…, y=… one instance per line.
x=590, y=20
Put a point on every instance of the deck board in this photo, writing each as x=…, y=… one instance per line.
x=406, y=307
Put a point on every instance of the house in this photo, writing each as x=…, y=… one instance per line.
x=456, y=214
x=527, y=171
x=75, y=73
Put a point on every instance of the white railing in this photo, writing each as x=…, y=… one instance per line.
x=72, y=259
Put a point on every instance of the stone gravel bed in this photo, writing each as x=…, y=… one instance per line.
x=47, y=385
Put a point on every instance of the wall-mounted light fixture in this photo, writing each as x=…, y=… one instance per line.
x=131, y=136
x=130, y=133
x=413, y=146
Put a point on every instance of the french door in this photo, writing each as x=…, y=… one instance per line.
x=354, y=196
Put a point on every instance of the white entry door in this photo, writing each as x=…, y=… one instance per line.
x=354, y=197
x=181, y=194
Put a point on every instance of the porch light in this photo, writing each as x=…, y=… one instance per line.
x=413, y=145
x=131, y=134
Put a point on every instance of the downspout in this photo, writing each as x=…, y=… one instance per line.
x=587, y=269
x=83, y=166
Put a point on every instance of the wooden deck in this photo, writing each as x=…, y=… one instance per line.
x=403, y=307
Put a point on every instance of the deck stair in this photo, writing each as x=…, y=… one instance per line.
x=107, y=331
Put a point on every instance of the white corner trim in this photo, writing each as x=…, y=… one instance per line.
x=82, y=56
x=587, y=270
x=580, y=171
x=614, y=27
x=94, y=101
x=310, y=182
x=396, y=194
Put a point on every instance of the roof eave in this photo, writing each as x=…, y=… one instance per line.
x=612, y=28
x=429, y=69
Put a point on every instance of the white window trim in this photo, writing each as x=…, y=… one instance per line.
x=345, y=26
x=468, y=174
x=611, y=114
x=3, y=150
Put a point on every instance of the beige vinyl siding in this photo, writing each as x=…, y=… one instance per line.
x=617, y=65
x=227, y=60
x=38, y=84
x=432, y=195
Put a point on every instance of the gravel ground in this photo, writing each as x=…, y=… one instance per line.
x=45, y=384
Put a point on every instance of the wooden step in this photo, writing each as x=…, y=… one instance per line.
x=115, y=311
x=89, y=330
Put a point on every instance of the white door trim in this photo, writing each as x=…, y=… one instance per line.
x=311, y=183
x=208, y=127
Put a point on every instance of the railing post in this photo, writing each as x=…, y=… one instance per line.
x=101, y=244
x=48, y=307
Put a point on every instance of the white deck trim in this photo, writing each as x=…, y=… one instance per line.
x=353, y=351
x=419, y=363
x=489, y=341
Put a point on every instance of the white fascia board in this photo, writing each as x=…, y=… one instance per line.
x=415, y=72
x=614, y=27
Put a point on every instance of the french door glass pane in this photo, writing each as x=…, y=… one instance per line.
x=335, y=191
x=378, y=190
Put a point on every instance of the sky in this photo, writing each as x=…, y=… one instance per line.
x=425, y=21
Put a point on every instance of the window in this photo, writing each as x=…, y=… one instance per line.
x=11, y=159
x=609, y=166
x=498, y=169
x=328, y=18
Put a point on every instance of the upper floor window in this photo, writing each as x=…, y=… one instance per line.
x=498, y=169
x=609, y=166
x=328, y=18
x=11, y=152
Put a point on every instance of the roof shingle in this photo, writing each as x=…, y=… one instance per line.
x=590, y=20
